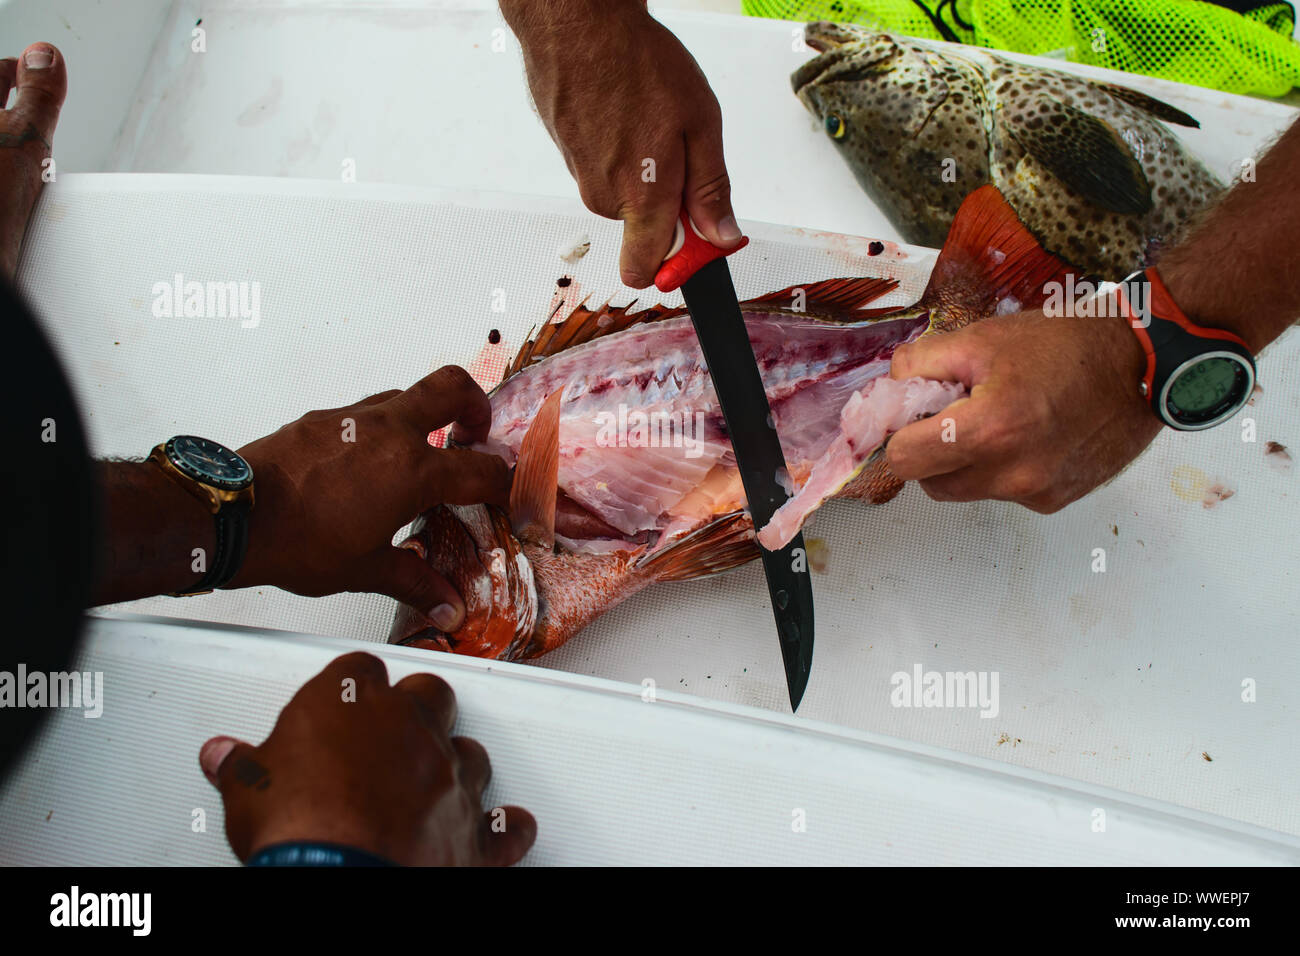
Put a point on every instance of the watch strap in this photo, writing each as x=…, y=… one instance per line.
x=1157, y=320
x=313, y=853
x=1175, y=346
x=231, y=524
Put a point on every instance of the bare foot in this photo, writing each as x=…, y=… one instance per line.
x=26, y=132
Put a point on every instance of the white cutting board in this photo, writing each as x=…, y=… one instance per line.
x=1130, y=678
x=612, y=777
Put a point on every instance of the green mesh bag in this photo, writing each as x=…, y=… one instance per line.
x=1245, y=49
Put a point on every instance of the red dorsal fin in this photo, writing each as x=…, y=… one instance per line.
x=582, y=325
x=830, y=297
x=989, y=256
x=532, y=494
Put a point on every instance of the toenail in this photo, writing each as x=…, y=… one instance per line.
x=38, y=59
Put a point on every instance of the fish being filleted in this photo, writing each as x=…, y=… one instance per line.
x=623, y=474
x=1088, y=166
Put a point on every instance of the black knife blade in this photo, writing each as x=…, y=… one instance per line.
x=715, y=311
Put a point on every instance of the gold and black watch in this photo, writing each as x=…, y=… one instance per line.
x=223, y=481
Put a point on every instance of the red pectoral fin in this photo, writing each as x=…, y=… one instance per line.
x=532, y=495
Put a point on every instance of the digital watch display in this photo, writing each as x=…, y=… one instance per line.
x=1195, y=377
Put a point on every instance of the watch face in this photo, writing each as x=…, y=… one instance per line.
x=1206, y=390
x=209, y=462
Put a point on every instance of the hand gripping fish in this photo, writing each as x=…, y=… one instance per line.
x=623, y=474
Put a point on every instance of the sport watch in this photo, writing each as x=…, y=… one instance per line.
x=223, y=481
x=1195, y=377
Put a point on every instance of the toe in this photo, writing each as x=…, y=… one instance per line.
x=42, y=85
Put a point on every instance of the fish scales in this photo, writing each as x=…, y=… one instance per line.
x=1089, y=167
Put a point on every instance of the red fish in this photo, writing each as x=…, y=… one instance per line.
x=623, y=474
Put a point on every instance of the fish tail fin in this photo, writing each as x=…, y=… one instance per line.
x=875, y=484
x=988, y=257
x=532, y=493
x=726, y=542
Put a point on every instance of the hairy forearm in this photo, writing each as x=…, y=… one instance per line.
x=1238, y=268
x=151, y=528
x=531, y=19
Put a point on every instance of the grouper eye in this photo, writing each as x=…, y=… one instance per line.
x=835, y=126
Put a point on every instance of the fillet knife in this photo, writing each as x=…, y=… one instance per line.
x=700, y=270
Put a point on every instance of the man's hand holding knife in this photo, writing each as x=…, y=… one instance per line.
x=642, y=134
x=634, y=118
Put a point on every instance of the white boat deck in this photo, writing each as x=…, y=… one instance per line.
x=1125, y=687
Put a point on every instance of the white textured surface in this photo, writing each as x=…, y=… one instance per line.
x=414, y=92
x=610, y=777
x=1122, y=678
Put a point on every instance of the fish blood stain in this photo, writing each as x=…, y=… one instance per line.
x=494, y=336
x=563, y=282
x=875, y=248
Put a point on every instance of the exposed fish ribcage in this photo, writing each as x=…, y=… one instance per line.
x=641, y=432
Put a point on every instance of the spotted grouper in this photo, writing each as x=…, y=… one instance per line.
x=1089, y=167
x=623, y=475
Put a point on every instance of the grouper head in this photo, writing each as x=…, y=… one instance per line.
x=908, y=120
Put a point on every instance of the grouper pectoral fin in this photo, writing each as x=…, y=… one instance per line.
x=1085, y=153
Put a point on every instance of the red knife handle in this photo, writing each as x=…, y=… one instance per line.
x=690, y=252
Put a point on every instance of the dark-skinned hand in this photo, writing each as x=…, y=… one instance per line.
x=379, y=772
x=327, y=508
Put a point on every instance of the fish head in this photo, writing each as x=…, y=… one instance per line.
x=489, y=555
x=522, y=598
x=475, y=549
x=907, y=119
x=853, y=86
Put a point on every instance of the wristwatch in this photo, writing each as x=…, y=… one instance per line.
x=223, y=481
x=1195, y=377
